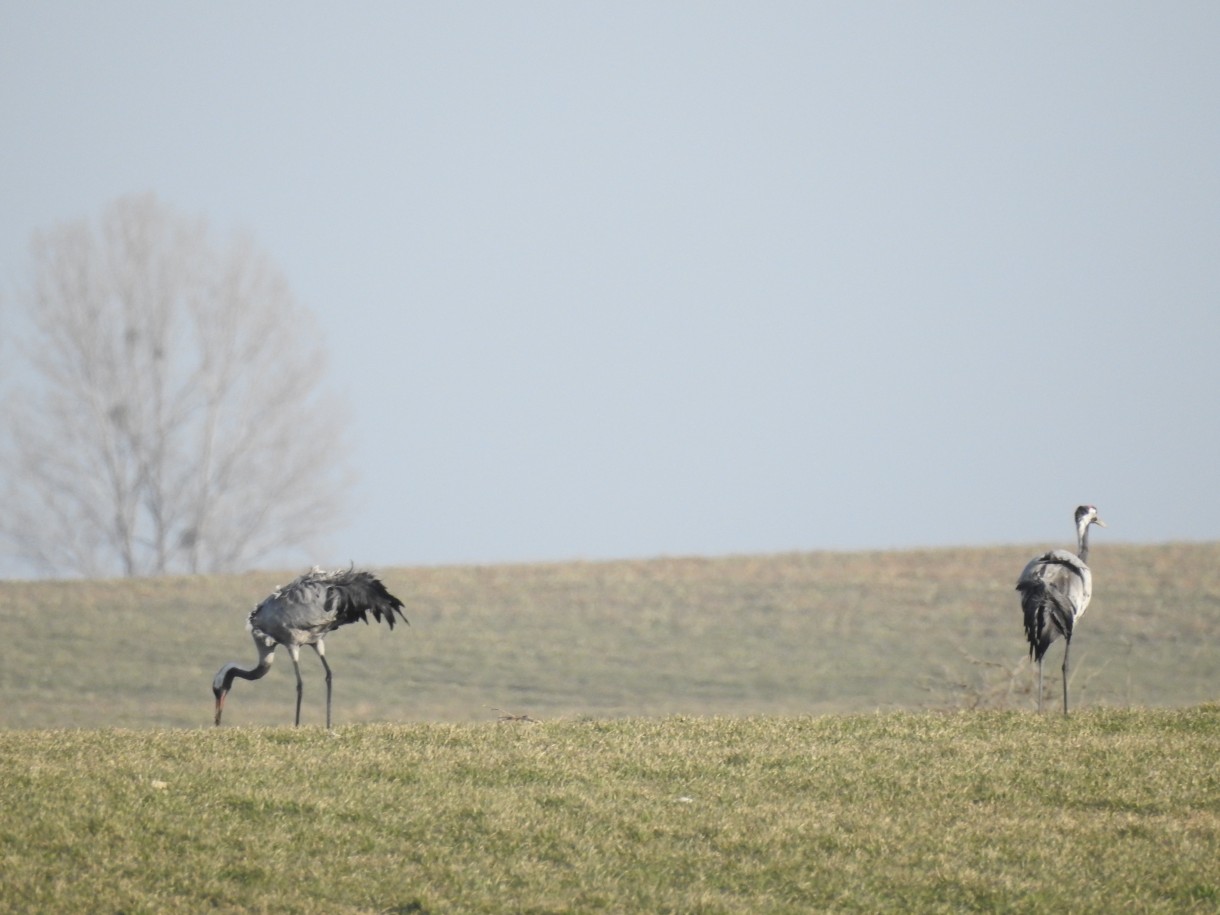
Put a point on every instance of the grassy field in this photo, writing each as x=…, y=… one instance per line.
x=806, y=732
x=809, y=633
x=1108, y=811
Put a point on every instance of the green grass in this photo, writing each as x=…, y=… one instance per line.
x=1107, y=811
x=806, y=732
x=802, y=633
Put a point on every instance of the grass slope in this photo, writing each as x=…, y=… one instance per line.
x=1108, y=811
x=790, y=634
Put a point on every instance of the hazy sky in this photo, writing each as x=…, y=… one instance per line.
x=628, y=279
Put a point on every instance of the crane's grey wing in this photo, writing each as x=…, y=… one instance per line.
x=1055, y=590
x=1048, y=614
x=296, y=614
x=1064, y=572
x=305, y=609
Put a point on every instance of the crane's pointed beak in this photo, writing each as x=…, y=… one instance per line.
x=220, y=705
x=1099, y=522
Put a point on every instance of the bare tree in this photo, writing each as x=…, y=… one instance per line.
x=170, y=419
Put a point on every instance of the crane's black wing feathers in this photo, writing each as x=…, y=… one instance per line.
x=351, y=594
x=1048, y=615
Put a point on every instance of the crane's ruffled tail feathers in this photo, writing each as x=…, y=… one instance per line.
x=1048, y=615
x=353, y=594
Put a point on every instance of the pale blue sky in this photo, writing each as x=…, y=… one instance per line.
x=629, y=279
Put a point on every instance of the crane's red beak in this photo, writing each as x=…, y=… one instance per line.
x=220, y=705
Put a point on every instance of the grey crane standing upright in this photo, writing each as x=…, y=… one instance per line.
x=303, y=612
x=1055, y=590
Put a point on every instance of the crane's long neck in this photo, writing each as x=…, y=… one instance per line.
x=231, y=670
x=223, y=681
x=1082, y=537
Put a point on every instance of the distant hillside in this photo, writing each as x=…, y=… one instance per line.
x=794, y=633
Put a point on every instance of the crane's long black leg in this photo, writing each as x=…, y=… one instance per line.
x=295, y=654
x=321, y=650
x=1067, y=645
x=1039, y=685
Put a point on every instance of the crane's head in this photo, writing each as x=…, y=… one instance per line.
x=1086, y=515
x=220, y=688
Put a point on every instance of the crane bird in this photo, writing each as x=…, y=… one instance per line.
x=303, y=612
x=1055, y=590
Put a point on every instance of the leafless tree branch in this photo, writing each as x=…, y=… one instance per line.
x=172, y=418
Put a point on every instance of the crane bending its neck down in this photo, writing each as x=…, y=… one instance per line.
x=223, y=681
x=302, y=613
